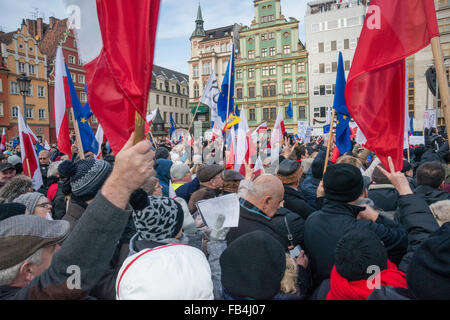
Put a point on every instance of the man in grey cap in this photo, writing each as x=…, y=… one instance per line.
x=32, y=267
x=211, y=183
x=7, y=172
x=180, y=174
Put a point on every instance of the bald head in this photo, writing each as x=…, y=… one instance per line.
x=266, y=193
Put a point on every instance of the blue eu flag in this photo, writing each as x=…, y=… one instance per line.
x=225, y=104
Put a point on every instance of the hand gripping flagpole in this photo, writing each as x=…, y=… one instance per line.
x=139, y=128
x=77, y=135
x=442, y=80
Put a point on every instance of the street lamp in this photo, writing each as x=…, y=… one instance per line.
x=24, y=87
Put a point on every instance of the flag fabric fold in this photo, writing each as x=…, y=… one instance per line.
x=225, y=103
x=343, y=133
x=375, y=90
x=116, y=41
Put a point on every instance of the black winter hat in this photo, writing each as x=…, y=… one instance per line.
x=86, y=176
x=253, y=266
x=289, y=171
x=11, y=209
x=428, y=275
x=406, y=166
x=357, y=250
x=317, y=168
x=161, y=153
x=343, y=182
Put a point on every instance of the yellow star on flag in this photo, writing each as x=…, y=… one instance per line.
x=83, y=120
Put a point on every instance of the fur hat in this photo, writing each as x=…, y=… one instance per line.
x=15, y=187
x=441, y=211
x=289, y=171
x=161, y=219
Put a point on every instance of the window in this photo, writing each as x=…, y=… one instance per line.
x=287, y=88
x=269, y=90
x=251, y=92
x=239, y=93
x=287, y=49
x=173, y=89
x=31, y=69
x=176, y=102
x=1, y=110
x=251, y=54
x=346, y=44
x=238, y=74
x=157, y=99
x=28, y=113
x=328, y=89
x=334, y=67
x=74, y=77
x=41, y=92
x=301, y=87
x=333, y=24
x=263, y=36
x=327, y=67
x=322, y=68
x=327, y=46
x=206, y=67
x=165, y=99
x=347, y=65
x=302, y=112
x=251, y=114
x=1, y=85
x=316, y=68
x=287, y=68
x=340, y=45
x=301, y=67
x=320, y=112
x=170, y=101
x=165, y=116
x=315, y=48
x=71, y=59
x=322, y=90
x=272, y=70
x=251, y=73
x=321, y=47
x=315, y=27
x=93, y=119
x=266, y=114
x=223, y=47
x=176, y=117
x=264, y=52
x=83, y=97
x=160, y=86
x=316, y=90
x=195, y=70
x=273, y=113
x=354, y=21
x=266, y=19
x=333, y=45
x=13, y=87
x=21, y=67
x=41, y=114
x=81, y=78
x=272, y=51
x=265, y=71
x=352, y=43
x=15, y=112
x=196, y=92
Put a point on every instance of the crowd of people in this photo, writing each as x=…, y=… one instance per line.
x=128, y=226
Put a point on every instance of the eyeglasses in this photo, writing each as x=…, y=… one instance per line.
x=43, y=158
x=44, y=205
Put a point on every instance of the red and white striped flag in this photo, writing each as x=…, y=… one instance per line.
x=3, y=144
x=62, y=101
x=30, y=161
x=259, y=168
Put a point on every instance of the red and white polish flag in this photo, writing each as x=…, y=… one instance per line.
x=62, y=101
x=30, y=161
x=3, y=144
x=116, y=41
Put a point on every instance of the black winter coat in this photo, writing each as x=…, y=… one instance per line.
x=431, y=195
x=324, y=228
x=294, y=201
x=252, y=219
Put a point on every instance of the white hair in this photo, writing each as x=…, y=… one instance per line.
x=53, y=169
x=8, y=275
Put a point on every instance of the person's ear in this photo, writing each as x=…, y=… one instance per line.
x=26, y=272
x=441, y=187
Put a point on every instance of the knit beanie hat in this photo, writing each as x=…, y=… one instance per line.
x=343, y=182
x=357, y=250
x=161, y=219
x=11, y=209
x=428, y=275
x=86, y=176
x=30, y=200
x=253, y=266
x=317, y=168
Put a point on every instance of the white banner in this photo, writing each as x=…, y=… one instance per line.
x=429, y=119
x=415, y=140
x=302, y=127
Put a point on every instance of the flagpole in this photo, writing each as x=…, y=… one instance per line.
x=77, y=135
x=442, y=80
x=28, y=167
x=139, y=128
x=330, y=136
x=192, y=121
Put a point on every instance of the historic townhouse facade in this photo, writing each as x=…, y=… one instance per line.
x=272, y=68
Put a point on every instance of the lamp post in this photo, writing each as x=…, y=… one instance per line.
x=24, y=87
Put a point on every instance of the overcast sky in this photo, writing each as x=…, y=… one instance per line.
x=176, y=21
